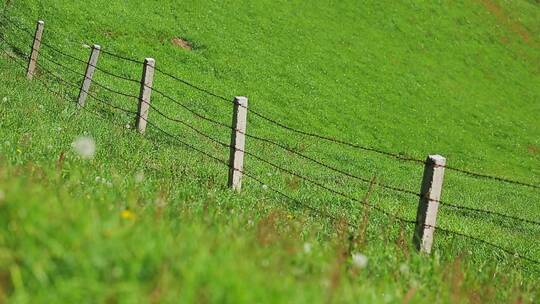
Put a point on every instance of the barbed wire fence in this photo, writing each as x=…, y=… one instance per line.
x=429, y=196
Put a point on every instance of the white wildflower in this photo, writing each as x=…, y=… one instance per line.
x=128, y=126
x=139, y=177
x=307, y=248
x=388, y=298
x=84, y=146
x=265, y=187
x=359, y=260
x=404, y=269
x=5, y=99
x=160, y=202
x=117, y=271
x=104, y=181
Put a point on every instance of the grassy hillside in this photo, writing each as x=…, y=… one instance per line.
x=149, y=220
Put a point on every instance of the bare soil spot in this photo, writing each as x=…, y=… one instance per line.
x=533, y=149
x=505, y=19
x=111, y=34
x=182, y=43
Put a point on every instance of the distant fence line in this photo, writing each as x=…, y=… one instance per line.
x=434, y=165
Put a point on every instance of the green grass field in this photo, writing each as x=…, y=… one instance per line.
x=148, y=220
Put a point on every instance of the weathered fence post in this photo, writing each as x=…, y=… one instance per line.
x=35, y=50
x=426, y=216
x=238, y=143
x=90, y=69
x=144, y=96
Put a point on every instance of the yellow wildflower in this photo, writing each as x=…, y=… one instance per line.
x=127, y=214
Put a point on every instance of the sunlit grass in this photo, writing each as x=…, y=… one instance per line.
x=152, y=221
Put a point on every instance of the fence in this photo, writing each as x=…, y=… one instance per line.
x=434, y=166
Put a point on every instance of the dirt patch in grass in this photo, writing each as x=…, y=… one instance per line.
x=505, y=19
x=111, y=34
x=182, y=43
x=533, y=149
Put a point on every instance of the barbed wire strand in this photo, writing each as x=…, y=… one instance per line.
x=314, y=210
x=224, y=145
x=333, y=217
x=73, y=57
x=121, y=57
x=499, y=247
x=275, y=122
x=29, y=33
x=345, y=143
x=444, y=230
x=161, y=113
x=94, y=82
x=290, y=150
x=365, y=180
x=223, y=162
x=492, y=177
x=298, y=131
x=332, y=190
x=281, y=146
x=29, y=30
x=74, y=85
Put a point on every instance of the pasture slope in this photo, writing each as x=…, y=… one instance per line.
x=149, y=220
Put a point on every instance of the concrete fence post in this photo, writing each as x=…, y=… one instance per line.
x=426, y=216
x=90, y=69
x=238, y=143
x=145, y=94
x=35, y=50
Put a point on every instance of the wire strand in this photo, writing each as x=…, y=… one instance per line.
x=89, y=94
x=270, y=142
x=444, y=230
x=121, y=57
x=283, y=126
x=365, y=180
x=73, y=57
x=279, y=145
x=345, y=143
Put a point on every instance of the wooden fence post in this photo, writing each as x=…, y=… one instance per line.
x=426, y=216
x=238, y=143
x=35, y=50
x=146, y=91
x=90, y=69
